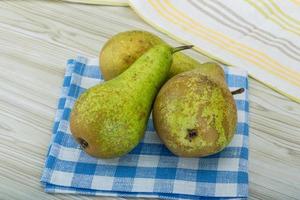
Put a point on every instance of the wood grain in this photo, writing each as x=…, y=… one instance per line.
x=36, y=39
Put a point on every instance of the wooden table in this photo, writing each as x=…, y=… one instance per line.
x=36, y=39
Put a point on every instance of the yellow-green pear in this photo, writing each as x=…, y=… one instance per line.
x=109, y=119
x=194, y=113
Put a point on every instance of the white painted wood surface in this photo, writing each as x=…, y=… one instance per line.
x=36, y=39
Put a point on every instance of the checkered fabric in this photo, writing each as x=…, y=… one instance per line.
x=150, y=169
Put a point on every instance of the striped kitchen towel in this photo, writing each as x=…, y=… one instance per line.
x=261, y=36
x=149, y=170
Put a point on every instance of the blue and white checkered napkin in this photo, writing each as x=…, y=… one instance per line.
x=150, y=170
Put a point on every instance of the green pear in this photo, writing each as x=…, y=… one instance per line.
x=194, y=113
x=213, y=71
x=123, y=49
x=109, y=119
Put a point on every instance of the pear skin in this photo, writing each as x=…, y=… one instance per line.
x=194, y=114
x=124, y=48
x=182, y=63
x=213, y=70
x=109, y=119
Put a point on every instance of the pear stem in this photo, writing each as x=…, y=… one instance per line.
x=238, y=91
x=182, y=48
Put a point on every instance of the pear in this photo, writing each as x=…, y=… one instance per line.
x=109, y=119
x=213, y=71
x=123, y=49
x=194, y=113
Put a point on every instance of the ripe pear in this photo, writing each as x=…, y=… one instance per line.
x=109, y=119
x=194, y=113
x=124, y=48
x=213, y=71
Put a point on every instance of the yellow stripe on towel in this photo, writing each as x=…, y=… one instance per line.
x=268, y=12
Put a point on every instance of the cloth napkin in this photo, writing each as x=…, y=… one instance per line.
x=262, y=37
x=149, y=170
